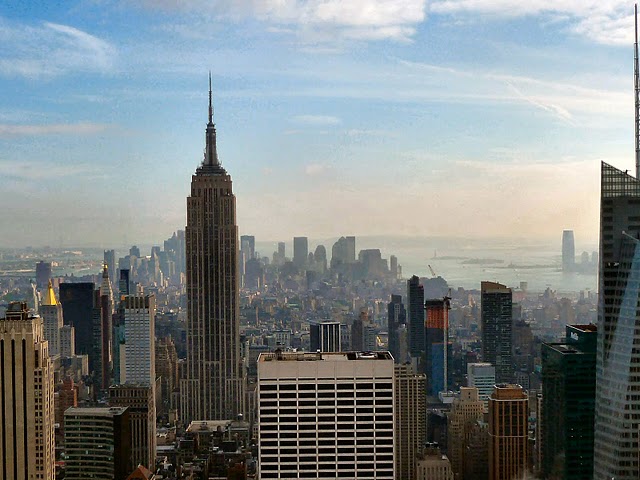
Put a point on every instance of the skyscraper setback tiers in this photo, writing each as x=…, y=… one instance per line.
x=214, y=385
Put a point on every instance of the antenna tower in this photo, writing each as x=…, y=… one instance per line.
x=636, y=85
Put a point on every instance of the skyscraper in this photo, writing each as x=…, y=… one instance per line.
x=410, y=419
x=97, y=443
x=568, y=251
x=396, y=316
x=437, y=352
x=617, y=417
x=508, y=432
x=214, y=385
x=496, y=316
x=415, y=311
x=51, y=312
x=318, y=418
x=568, y=401
x=27, y=412
x=300, y=251
x=136, y=362
x=466, y=411
x=43, y=274
x=77, y=308
x=141, y=403
x=483, y=377
x=324, y=337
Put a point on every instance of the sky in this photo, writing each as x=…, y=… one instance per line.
x=464, y=118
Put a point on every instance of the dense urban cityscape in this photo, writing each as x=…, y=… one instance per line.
x=217, y=354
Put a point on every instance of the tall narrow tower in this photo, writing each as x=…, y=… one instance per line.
x=214, y=385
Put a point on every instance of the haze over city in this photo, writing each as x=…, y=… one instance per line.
x=449, y=118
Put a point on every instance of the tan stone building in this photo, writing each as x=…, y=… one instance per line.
x=27, y=448
x=410, y=419
x=508, y=432
x=433, y=465
x=466, y=410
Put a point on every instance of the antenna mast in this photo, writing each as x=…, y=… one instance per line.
x=636, y=85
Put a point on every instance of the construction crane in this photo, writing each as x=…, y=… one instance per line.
x=433, y=274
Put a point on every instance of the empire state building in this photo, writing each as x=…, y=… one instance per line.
x=214, y=385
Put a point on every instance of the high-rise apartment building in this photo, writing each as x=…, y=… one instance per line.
x=568, y=401
x=396, y=316
x=51, y=312
x=568, y=251
x=77, y=301
x=416, y=316
x=67, y=341
x=467, y=409
x=482, y=376
x=213, y=388
x=410, y=419
x=326, y=415
x=508, y=432
x=300, y=251
x=27, y=412
x=141, y=403
x=497, y=325
x=97, y=443
x=437, y=352
x=324, y=337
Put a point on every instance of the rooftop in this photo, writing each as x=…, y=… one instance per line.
x=322, y=356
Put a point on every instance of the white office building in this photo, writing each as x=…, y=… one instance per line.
x=483, y=377
x=326, y=415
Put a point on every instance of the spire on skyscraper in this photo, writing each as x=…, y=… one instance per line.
x=50, y=297
x=211, y=151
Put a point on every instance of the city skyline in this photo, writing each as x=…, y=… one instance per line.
x=320, y=105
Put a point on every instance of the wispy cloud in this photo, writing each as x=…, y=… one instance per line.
x=327, y=20
x=315, y=169
x=603, y=21
x=322, y=120
x=86, y=128
x=51, y=49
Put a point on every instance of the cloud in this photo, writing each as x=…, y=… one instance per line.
x=563, y=100
x=327, y=20
x=603, y=21
x=51, y=49
x=315, y=169
x=322, y=120
x=86, y=128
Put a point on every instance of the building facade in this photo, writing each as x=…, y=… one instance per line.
x=467, y=409
x=482, y=376
x=568, y=403
x=141, y=404
x=97, y=443
x=396, y=316
x=51, y=313
x=416, y=316
x=497, y=326
x=410, y=419
x=436, y=356
x=27, y=412
x=214, y=385
x=324, y=337
x=508, y=432
x=568, y=251
x=326, y=415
